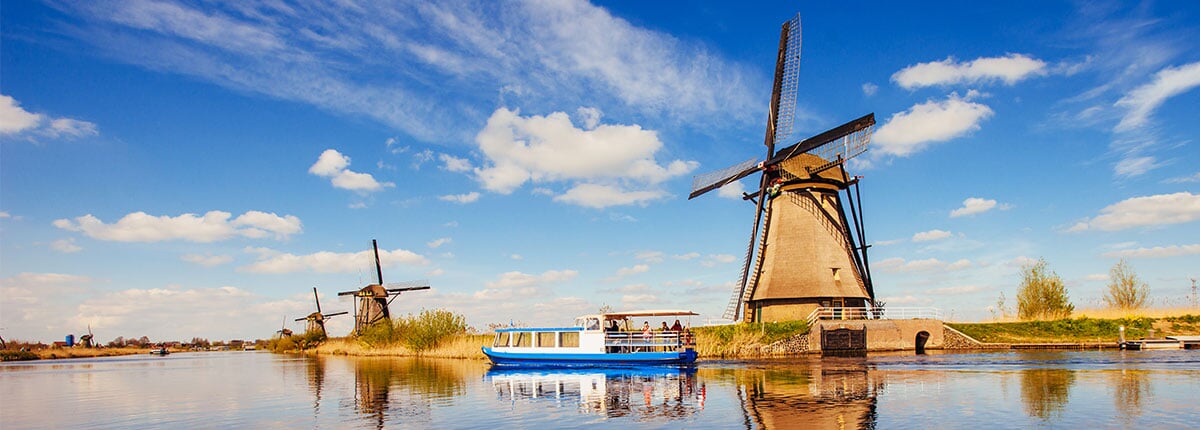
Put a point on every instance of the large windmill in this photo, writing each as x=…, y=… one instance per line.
x=373, y=300
x=316, y=320
x=808, y=254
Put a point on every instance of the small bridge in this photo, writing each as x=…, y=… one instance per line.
x=889, y=329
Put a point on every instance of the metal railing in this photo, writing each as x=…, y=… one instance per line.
x=638, y=342
x=864, y=313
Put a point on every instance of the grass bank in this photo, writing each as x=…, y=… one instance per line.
x=457, y=346
x=743, y=340
x=1082, y=329
x=56, y=353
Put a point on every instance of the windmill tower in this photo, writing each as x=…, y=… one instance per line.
x=316, y=320
x=808, y=254
x=371, y=304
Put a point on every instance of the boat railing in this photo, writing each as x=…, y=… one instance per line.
x=659, y=341
x=862, y=313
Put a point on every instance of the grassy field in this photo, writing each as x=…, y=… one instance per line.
x=743, y=340
x=55, y=353
x=460, y=346
x=1081, y=329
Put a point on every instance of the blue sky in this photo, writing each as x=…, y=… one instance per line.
x=177, y=169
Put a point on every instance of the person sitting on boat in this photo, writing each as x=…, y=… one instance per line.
x=664, y=327
x=677, y=328
x=614, y=326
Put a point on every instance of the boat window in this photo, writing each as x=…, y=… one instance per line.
x=501, y=340
x=593, y=324
x=523, y=340
x=545, y=339
x=568, y=339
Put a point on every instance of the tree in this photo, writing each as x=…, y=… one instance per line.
x=117, y=343
x=1125, y=290
x=1042, y=294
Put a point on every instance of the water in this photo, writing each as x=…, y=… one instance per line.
x=1113, y=389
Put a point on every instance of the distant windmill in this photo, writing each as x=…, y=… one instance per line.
x=373, y=300
x=316, y=320
x=809, y=253
x=283, y=330
x=86, y=340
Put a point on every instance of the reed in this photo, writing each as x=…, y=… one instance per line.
x=1110, y=313
x=458, y=346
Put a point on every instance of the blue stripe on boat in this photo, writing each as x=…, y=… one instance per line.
x=575, y=359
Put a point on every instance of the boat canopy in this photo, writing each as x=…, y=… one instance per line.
x=647, y=313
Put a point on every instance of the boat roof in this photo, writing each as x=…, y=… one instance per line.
x=644, y=313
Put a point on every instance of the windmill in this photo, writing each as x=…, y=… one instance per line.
x=283, y=330
x=372, y=301
x=86, y=340
x=808, y=255
x=316, y=320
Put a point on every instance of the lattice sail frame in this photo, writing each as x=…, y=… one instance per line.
x=789, y=83
x=838, y=150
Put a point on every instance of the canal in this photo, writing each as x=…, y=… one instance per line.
x=1078, y=389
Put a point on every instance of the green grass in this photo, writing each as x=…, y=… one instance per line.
x=11, y=355
x=1063, y=330
x=733, y=339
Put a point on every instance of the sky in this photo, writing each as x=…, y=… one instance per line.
x=179, y=169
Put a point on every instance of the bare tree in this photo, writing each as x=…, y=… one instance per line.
x=1042, y=294
x=1125, y=290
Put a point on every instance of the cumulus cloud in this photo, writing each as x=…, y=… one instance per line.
x=900, y=265
x=277, y=262
x=1155, y=252
x=1146, y=211
x=454, y=164
x=869, y=89
x=65, y=246
x=1141, y=102
x=1008, y=69
x=976, y=205
x=712, y=260
x=333, y=165
x=211, y=227
x=15, y=120
x=437, y=243
x=911, y=131
x=206, y=260
x=519, y=279
x=629, y=271
x=931, y=235
x=609, y=164
x=732, y=190
x=461, y=199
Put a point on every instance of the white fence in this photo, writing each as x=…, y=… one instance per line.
x=863, y=313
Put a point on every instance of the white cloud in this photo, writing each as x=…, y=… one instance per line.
x=712, y=260
x=931, y=235
x=1096, y=277
x=649, y=256
x=869, y=89
x=1184, y=179
x=909, y=132
x=550, y=148
x=1155, y=252
x=1008, y=69
x=1143, y=100
x=590, y=117
x=900, y=265
x=276, y=262
x=602, y=196
x=5, y=214
x=976, y=205
x=957, y=290
x=1147, y=211
x=627, y=271
x=213, y=226
x=1134, y=166
x=206, y=260
x=333, y=165
x=436, y=243
x=65, y=246
x=685, y=257
x=461, y=199
x=519, y=279
x=16, y=120
x=733, y=190
x=455, y=164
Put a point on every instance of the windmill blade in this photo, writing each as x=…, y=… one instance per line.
x=378, y=267
x=847, y=140
x=317, y=298
x=405, y=284
x=718, y=178
x=336, y=314
x=398, y=290
x=301, y=319
x=745, y=280
x=787, y=79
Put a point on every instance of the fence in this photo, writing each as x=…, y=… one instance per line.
x=863, y=313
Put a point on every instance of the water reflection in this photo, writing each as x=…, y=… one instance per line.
x=1131, y=388
x=399, y=390
x=1044, y=392
x=651, y=393
x=835, y=393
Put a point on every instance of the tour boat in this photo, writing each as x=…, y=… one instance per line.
x=605, y=339
x=160, y=351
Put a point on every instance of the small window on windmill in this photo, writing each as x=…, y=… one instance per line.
x=837, y=274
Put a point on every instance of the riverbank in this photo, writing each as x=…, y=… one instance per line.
x=1079, y=330
x=60, y=353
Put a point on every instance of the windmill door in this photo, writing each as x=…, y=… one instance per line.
x=838, y=303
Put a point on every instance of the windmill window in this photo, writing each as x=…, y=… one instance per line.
x=837, y=275
x=501, y=340
x=523, y=340
x=568, y=339
x=545, y=339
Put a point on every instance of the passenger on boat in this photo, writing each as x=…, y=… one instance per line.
x=614, y=326
x=647, y=333
x=664, y=327
x=677, y=327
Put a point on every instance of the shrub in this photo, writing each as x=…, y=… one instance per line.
x=1042, y=294
x=431, y=327
x=1125, y=290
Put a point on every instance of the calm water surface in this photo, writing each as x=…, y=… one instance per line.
x=1134, y=389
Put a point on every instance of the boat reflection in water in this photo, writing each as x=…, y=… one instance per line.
x=644, y=393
